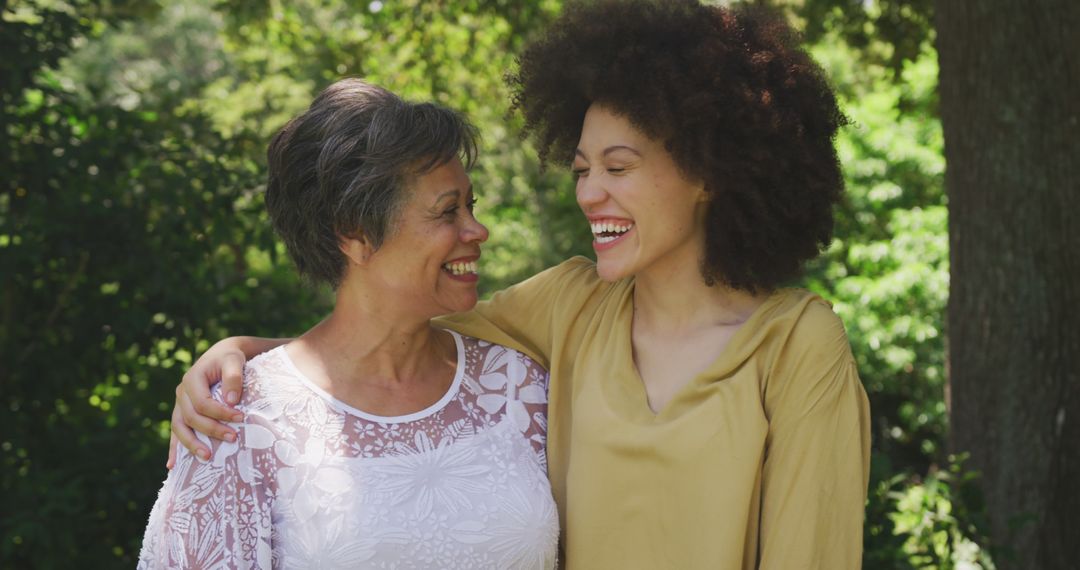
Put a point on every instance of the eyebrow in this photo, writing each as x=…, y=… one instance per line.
x=609, y=150
x=455, y=192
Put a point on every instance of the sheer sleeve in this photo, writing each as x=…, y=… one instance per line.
x=817, y=452
x=533, y=394
x=217, y=513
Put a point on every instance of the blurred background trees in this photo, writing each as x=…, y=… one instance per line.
x=132, y=234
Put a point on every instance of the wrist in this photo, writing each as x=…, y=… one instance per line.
x=251, y=346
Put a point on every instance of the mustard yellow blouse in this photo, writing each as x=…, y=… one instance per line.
x=761, y=461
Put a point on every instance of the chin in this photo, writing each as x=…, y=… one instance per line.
x=462, y=305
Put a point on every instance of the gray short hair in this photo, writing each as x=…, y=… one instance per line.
x=342, y=167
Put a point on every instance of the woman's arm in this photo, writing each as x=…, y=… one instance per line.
x=525, y=317
x=196, y=410
x=216, y=513
x=814, y=482
x=817, y=454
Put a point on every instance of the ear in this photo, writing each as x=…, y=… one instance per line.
x=703, y=194
x=356, y=247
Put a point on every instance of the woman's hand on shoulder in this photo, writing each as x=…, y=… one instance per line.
x=196, y=410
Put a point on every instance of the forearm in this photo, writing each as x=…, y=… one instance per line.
x=253, y=346
x=815, y=476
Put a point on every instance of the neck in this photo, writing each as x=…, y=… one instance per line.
x=367, y=338
x=671, y=297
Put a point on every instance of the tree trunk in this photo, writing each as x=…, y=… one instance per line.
x=1010, y=107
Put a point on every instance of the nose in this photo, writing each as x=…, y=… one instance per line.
x=590, y=192
x=473, y=231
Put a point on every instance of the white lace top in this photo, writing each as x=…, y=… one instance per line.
x=314, y=483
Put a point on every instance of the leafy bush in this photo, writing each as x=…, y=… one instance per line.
x=933, y=523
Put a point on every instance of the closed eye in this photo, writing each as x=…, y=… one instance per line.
x=452, y=211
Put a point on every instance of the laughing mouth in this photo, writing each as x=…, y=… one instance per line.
x=460, y=267
x=604, y=232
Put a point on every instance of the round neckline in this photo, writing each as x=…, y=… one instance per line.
x=451, y=392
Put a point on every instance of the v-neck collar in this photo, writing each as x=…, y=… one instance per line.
x=627, y=381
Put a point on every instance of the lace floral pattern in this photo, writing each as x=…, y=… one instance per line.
x=313, y=483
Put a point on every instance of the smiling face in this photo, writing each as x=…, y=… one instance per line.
x=645, y=214
x=427, y=265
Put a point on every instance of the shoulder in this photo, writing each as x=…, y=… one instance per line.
x=802, y=320
x=818, y=327
x=487, y=353
x=809, y=354
x=575, y=274
x=579, y=267
x=801, y=336
x=265, y=371
x=274, y=390
x=573, y=288
x=575, y=267
x=484, y=358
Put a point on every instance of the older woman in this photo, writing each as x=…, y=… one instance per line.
x=374, y=439
x=701, y=414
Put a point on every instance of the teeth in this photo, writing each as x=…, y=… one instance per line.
x=608, y=227
x=460, y=268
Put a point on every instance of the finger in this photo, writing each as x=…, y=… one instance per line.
x=192, y=419
x=171, y=461
x=203, y=406
x=196, y=382
x=186, y=437
x=232, y=377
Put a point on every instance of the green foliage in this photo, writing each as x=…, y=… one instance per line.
x=887, y=271
x=127, y=241
x=888, y=32
x=929, y=524
x=132, y=234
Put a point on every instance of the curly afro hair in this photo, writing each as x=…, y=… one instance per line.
x=736, y=100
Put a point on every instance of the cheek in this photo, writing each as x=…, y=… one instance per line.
x=672, y=210
x=415, y=253
x=438, y=244
x=649, y=202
